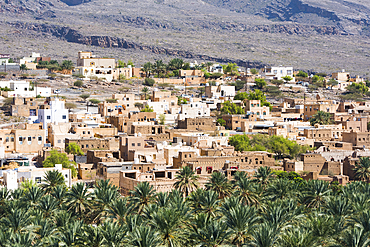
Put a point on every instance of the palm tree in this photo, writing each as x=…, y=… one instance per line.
x=79, y=200
x=119, y=209
x=162, y=199
x=176, y=64
x=279, y=189
x=46, y=232
x=145, y=90
x=247, y=191
x=209, y=203
x=142, y=195
x=48, y=205
x=59, y=193
x=147, y=69
x=159, y=67
x=339, y=206
x=22, y=239
x=51, y=180
x=143, y=236
x=91, y=236
x=213, y=233
x=317, y=192
x=263, y=175
x=34, y=195
x=264, y=236
x=186, y=180
x=241, y=220
x=297, y=237
x=362, y=169
x=113, y=234
x=355, y=237
x=219, y=183
x=321, y=118
x=167, y=222
x=69, y=234
x=17, y=220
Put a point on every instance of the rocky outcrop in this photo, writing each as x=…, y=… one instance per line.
x=74, y=36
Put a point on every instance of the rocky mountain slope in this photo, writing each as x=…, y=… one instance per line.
x=310, y=34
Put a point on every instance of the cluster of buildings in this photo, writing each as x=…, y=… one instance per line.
x=127, y=145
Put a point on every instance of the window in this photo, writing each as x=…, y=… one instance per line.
x=47, y=117
x=38, y=180
x=88, y=132
x=39, y=138
x=7, y=139
x=12, y=139
x=139, y=144
x=59, y=141
x=29, y=139
x=133, y=144
x=82, y=146
x=20, y=139
x=87, y=145
x=83, y=132
x=64, y=117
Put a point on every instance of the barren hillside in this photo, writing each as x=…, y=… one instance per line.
x=309, y=34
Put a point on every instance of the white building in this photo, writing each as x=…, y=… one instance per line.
x=277, y=73
x=193, y=110
x=55, y=112
x=90, y=66
x=219, y=91
x=29, y=59
x=23, y=89
x=159, y=107
x=13, y=178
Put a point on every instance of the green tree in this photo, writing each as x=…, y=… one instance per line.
x=145, y=90
x=186, y=180
x=23, y=67
x=52, y=180
x=175, y=64
x=332, y=82
x=79, y=200
x=162, y=119
x=362, y=169
x=147, y=108
x=149, y=82
x=357, y=88
x=94, y=101
x=121, y=64
x=67, y=64
x=147, y=69
x=277, y=82
x=287, y=78
x=260, y=83
x=231, y=108
x=254, y=71
x=159, y=67
x=230, y=68
x=321, y=118
x=84, y=96
x=142, y=195
x=220, y=184
x=74, y=149
x=78, y=83
x=302, y=74
x=59, y=158
x=111, y=100
x=221, y=122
